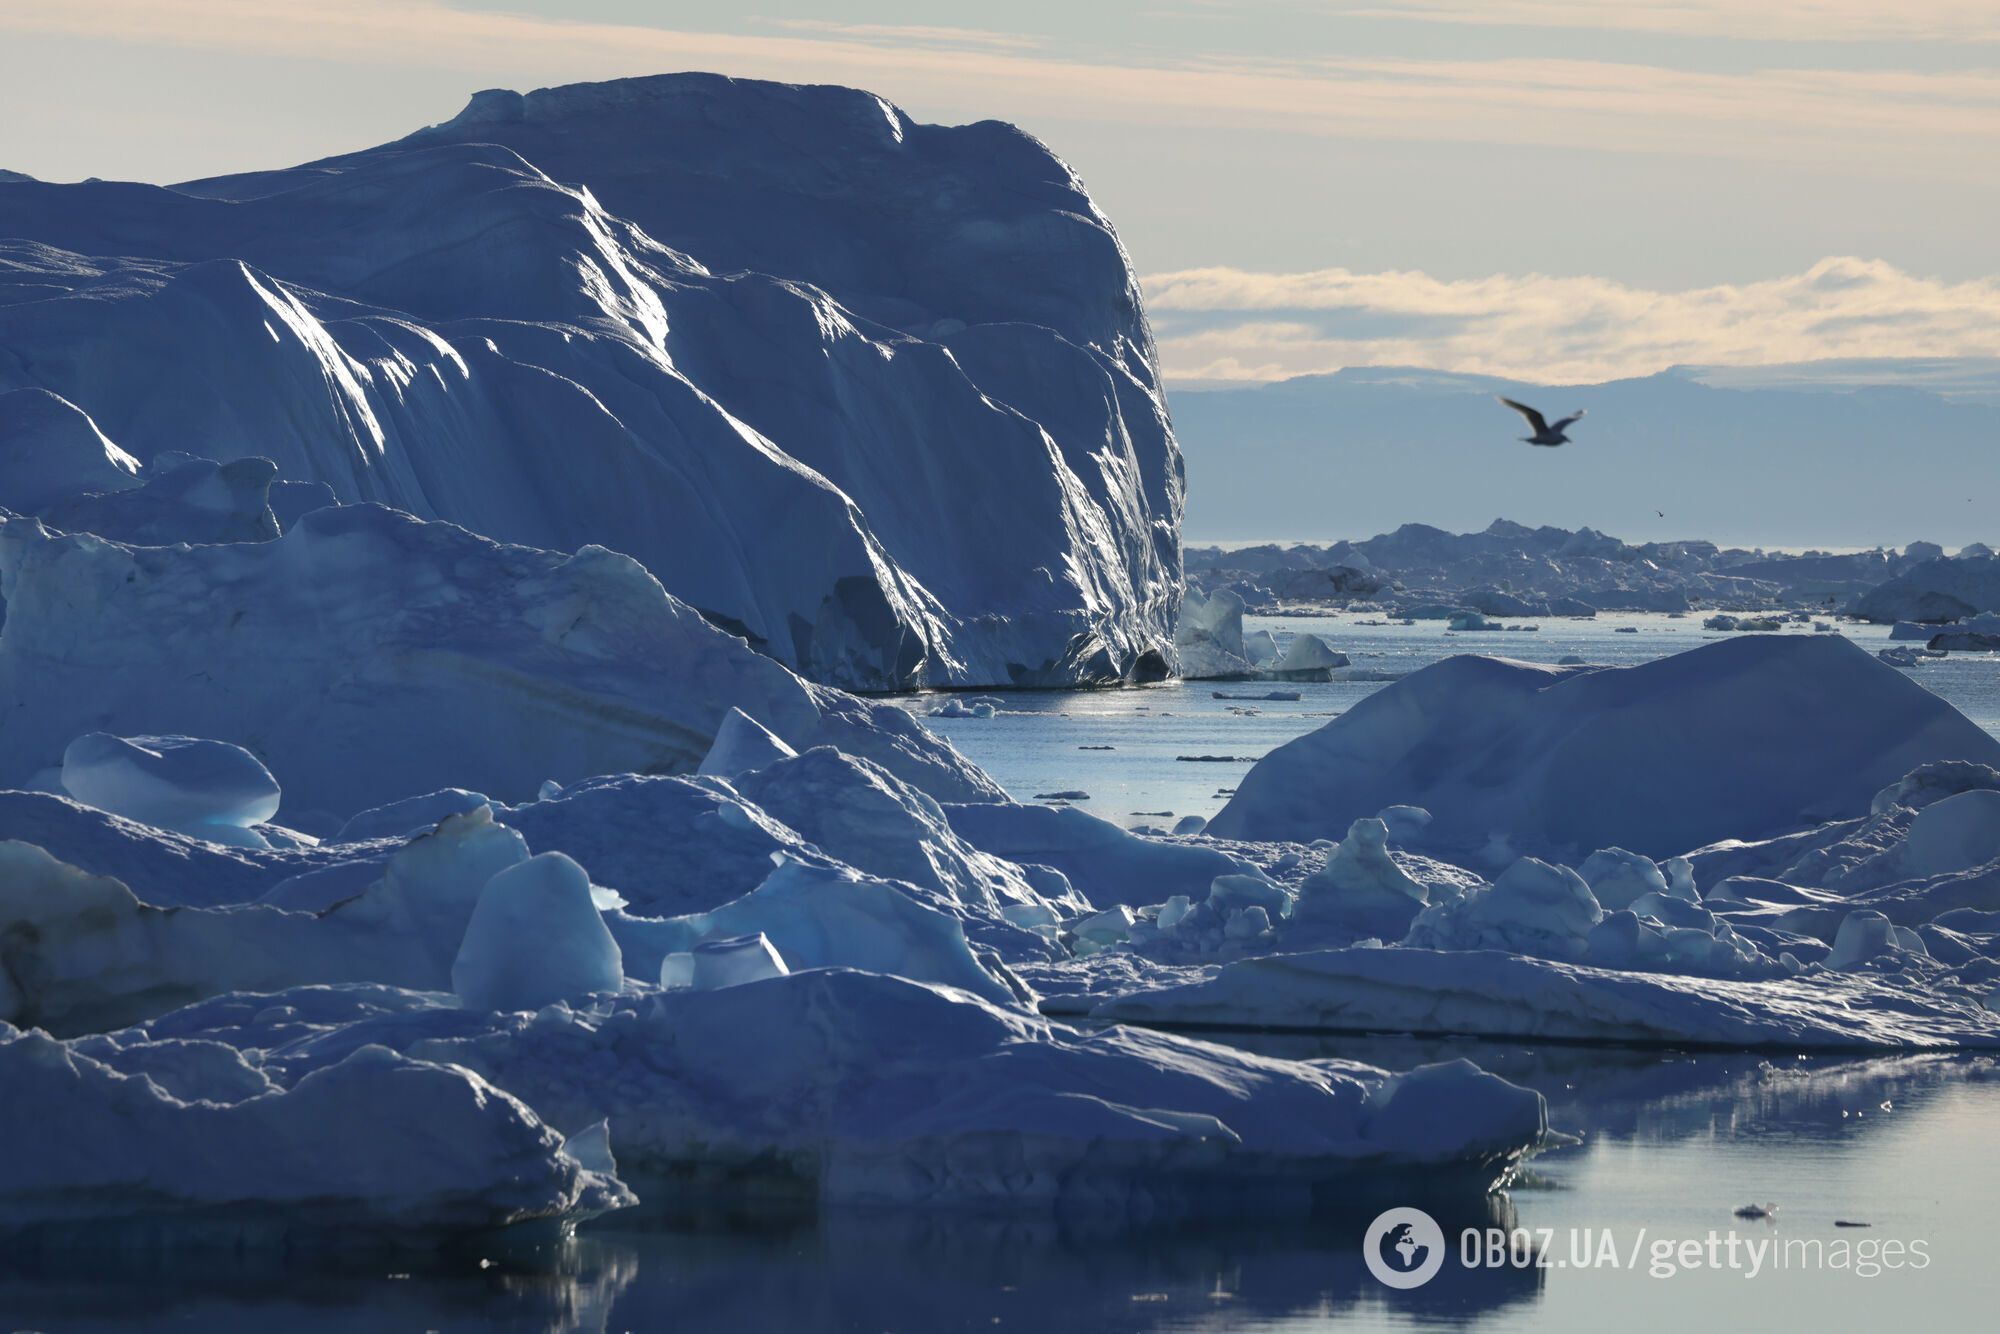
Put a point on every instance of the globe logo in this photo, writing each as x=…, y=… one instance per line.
x=1404, y=1248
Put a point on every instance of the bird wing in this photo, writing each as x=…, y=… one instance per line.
x=1573, y=417
x=1535, y=419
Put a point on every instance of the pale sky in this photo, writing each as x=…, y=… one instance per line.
x=1556, y=189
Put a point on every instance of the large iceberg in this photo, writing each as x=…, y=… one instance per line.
x=559, y=319
x=368, y=655
x=1944, y=589
x=1743, y=738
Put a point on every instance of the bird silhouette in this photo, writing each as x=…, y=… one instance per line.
x=1546, y=433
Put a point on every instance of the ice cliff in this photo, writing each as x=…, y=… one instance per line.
x=878, y=396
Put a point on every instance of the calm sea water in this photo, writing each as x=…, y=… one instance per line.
x=1044, y=742
x=1670, y=1145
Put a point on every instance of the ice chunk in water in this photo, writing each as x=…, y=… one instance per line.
x=209, y=789
x=535, y=937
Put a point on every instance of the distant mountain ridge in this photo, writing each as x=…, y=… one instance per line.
x=1866, y=454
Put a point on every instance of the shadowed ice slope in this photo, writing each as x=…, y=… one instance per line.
x=1745, y=738
x=878, y=396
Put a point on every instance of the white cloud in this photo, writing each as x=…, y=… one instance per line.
x=1782, y=20
x=1228, y=324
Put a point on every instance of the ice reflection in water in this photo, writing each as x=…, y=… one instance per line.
x=1670, y=1142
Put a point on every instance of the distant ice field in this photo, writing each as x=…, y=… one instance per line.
x=1041, y=741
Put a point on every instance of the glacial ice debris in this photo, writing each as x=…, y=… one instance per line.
x=410, y=816
x=876, y=1089
x=1107, y=865
x=206, y=789
x=1533, y=908
x=828, y=917
x=535, y=937
x=1359, y=892
x=1617, y=877
x=741, y=744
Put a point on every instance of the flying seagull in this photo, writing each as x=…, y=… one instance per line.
x=1545, y=433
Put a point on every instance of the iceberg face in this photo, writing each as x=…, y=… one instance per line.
x=880, y=1090
x=373, y=656
x=1944, y=589
x=742, y=744
x=1496, y=994
x=157, y=1129
x=535, y=937
x=815, y=917
x=207, y=789
x=1209, y=636
x=181, y=499
x=1307, y=658
x=916, y=289
x=1743, y=738
x=865, y=816
x=1106, y=864
x=50, y=450
x=1959, y=832
x=732, y=962
x=176, y=869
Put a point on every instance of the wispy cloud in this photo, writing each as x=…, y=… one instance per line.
x=911, y=34
x=1228, y=324
x=1877, y=121
x=1780, y=20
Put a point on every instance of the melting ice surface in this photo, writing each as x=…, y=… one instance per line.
x=1670, y=1143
